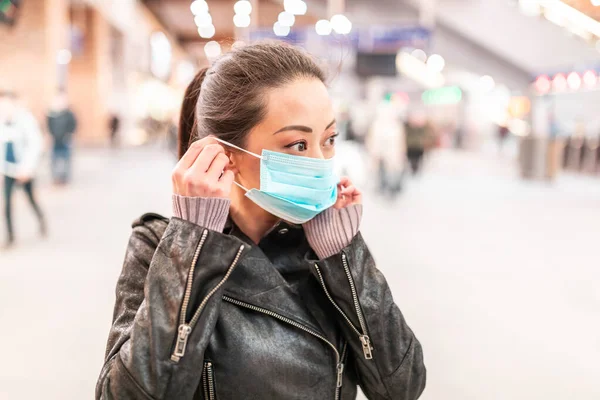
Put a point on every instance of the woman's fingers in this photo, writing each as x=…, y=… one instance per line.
x=206, y=157
x=194, y=151
x=217, y=167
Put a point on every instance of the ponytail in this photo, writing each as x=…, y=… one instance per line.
x=187, y=118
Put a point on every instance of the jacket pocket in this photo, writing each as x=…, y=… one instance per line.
x=208, y=381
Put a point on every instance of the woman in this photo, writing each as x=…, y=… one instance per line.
x=258, y=294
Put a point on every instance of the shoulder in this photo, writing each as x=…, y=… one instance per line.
x=150, y=226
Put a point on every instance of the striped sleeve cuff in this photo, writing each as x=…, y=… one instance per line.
x=208, y=212
x=333, y=230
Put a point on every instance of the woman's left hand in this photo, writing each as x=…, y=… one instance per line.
x=348, y=194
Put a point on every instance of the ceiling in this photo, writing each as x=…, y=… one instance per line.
x=176, y=16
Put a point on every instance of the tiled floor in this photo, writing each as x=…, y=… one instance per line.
x=499, y=278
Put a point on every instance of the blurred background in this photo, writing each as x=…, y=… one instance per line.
x=471, y=125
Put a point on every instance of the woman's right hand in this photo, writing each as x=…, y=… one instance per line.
x=201, y=172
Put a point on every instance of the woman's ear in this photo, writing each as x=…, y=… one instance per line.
x=232, y=166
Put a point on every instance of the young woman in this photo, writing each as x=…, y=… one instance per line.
x=261, y=286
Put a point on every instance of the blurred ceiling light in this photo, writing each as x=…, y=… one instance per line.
x=419, y=55
x=296, y=7
x=212, y=49
x=542, y=84
x=341, y=24
x=559, y=82
x=286, y=19
x=560, y=13
x=242, y=7
x=596, y=3
x=590, y=79
x=198, y=7
x=64, y=56
x=323, y=27
x=418, y=71
x=206, y=32
x=530, y=8
x=203, y=19
x=487, y=83
x=241, y=20
x=280, y=30
x=436, y=63
x=574, y=81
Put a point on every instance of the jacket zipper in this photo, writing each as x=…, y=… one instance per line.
x=185, y=329
x=363, y=337
x=339, y=364
x=340, y=371
x=208, y=381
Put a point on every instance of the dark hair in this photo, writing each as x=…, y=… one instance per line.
x=232, y=100
x=187, y=116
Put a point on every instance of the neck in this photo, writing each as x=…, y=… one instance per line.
x=250, y=218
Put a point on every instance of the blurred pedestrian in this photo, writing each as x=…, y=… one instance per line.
x=114, y=124
x=21, y=144
x=386, y=146
x=416, y=140
x=62, y=125
x=502, y=136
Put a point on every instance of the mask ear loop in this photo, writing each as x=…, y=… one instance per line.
x=240, y=149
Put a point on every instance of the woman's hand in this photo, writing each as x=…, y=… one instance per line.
x=348, y=194
x=201, y=172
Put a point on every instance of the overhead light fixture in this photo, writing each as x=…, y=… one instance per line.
x=419, y=55
x=436, y=63
x=542, y=84
x=530, y=8
x=418, y=71
x=559, y=82
x=487, y=83
x=207, y=32
x=574, y=81
x=341, y=24
x=323, y=27
x=242, y=7
x=203, y=19
x=596, y=3
x=590, y=78
x=241, y=20
x=296, y=7
x=212, y=49
x=280, y=30
x=198, y=7
x=286, y=18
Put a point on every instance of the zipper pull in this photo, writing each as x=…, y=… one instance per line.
x=182, y=338
x=366, y=345
x=340, y=374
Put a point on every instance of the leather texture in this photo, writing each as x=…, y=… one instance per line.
x=267, y=332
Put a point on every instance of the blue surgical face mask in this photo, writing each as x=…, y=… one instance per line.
x=293, y=188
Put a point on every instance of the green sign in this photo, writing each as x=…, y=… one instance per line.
x=444, y=95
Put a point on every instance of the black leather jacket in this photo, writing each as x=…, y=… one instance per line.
x=207, y=315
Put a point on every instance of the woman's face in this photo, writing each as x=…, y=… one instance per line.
x=299, y=121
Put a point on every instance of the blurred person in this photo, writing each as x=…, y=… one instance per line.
x=261, y=278
x=62, y=125
x=21, y=144
x=416, y=131
x=386, y=145
x=114, y=125
x=503, y=134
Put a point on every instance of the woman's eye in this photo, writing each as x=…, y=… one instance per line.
x=300, y=146
x=331, y=140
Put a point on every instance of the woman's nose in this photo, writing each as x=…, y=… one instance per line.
x=315, y=152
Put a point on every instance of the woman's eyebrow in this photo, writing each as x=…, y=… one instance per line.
x=301, y=128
